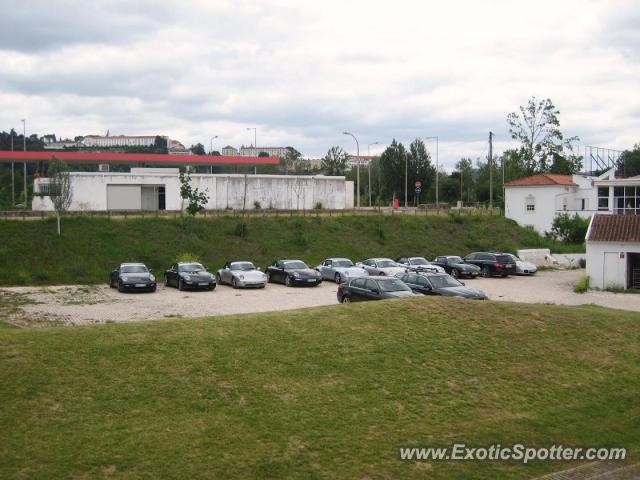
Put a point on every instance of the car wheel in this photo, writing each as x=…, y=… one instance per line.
x=234, y=282
x=346, y=299
x=166, y=281
x=338, y=279
x=486, y=272
x=287, y=281
x=381, y=274
x=120, y=289
x=218, y=279
x=268, y=277
x=455, y=273
x=180, y=285
x=153, y=289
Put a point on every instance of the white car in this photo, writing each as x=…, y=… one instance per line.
x=420, y=265
x=339, y=270
x=522, y=267
x=241, y=274
x=381, y=266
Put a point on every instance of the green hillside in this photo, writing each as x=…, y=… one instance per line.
x=89, y=247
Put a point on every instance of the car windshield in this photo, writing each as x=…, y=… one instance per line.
x=244, y=266
x=294, y=265
x=133, y=269
x=419, y=261
x=455, y=260
x=393, y=285
x=386, y=263
x=190, y=267
x=342, y=263
x=444, y=281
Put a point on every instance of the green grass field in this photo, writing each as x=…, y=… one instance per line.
x=90, y=247
x=319, y=393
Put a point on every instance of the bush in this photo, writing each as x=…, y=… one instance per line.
x=582, y=263
x=380, y=236
x=318, y=206
x=569, y=229
x=583, y=285
x=257, y=205
x=241, y=230
x=187, y=257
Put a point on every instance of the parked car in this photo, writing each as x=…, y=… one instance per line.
x=241, y=274
x=132, y=277
x=522, y=267
x=419, y=264
x=492, y=264
x=381, y=266
x=192, y=275
x=293, y=272
x=373, y=288
x=440, y=284
x=339, y=270
x=456, y=266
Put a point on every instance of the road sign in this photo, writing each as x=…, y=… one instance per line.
x=418, y=184
x=418, y=189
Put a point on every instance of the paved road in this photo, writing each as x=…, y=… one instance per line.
x=78, y=305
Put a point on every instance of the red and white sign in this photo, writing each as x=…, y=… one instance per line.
x=418, y=184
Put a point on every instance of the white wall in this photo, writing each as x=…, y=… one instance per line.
x=605, y=267
x=224, y=191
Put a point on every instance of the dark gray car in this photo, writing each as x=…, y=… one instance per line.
x=373, y=288
x=457, y=267
x=441, y=284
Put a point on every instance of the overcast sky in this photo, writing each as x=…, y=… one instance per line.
x=303, y=72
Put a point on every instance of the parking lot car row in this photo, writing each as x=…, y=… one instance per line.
x=371, y=279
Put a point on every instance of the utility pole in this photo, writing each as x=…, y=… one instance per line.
x=490, y=169
x=406, y=181
x=24, y=144
x=369, y=155
x=13, y=175
x=357, y=166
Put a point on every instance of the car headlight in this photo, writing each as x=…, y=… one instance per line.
x=152, y=278
x=241, y=277
x=124, y=278
x=296, y=274
x=186, y=277
x=318, y=274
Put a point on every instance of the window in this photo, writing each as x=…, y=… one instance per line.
x=358, y=283
x=603, y=198
x=530, y=204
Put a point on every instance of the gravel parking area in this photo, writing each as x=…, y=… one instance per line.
x=82, y=305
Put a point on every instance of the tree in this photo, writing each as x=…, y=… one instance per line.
x=335, y=161
x=569, y=229
x=419, y=167
x=465, y=173
x=628, y=164
x=160, y=144
x=537, y=128
x=198, y=149
x=263, y=154
x=392, y=166
x=59, y=187
x=290, y=159
x=197, y=199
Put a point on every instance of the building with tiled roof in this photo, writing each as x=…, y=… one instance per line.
x=613, y=251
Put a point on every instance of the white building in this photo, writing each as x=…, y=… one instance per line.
x=613, y=251
x=252, y=151
x=159, y=189
x=229, y=151
x=106, y=141
x=536, y=201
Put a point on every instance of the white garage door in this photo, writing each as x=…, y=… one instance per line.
x=124, y=197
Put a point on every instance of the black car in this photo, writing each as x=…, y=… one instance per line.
x=418, y=264
x=192, y=275
x=492, y=264
x=132, y=277
x=293, y=272
x=456, y=266
x=440, y=284
x=373, y=288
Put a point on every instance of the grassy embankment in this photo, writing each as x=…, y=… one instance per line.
x=32, y=254
x=317, y=393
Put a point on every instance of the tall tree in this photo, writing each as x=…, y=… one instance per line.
x=335, y=161
x=420, y=167
x=198, y=149
x=537, y=128
x=392, y=166
x=290, y=160
x=628, y=164
x=465, y=175
x=59, y=187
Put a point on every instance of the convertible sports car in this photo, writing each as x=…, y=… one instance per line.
x=382, y=267
x=339, y=270
x=419, y=264
x=293, y=272
x=456, y=267
x=241, y=274
x=193, y=275
x=132, y=277
x=440, y=284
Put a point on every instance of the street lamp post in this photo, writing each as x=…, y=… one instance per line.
x=357, y=165
x=211, y=152
x=369, y=155
x=13, y=176
x=255, y=138
x=24, y=145
x=437, y=172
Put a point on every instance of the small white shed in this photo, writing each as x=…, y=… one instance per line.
x=613, y=251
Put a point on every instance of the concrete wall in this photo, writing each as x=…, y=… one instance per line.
x=605, y=267
x=224, y=191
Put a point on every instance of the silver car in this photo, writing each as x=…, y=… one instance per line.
x=241, y=274
x=522, y=267
x=381, y=266
x=419, y=264
x=339, y=270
